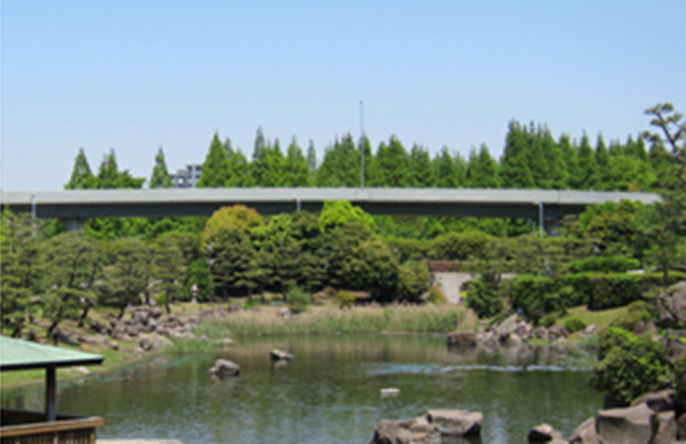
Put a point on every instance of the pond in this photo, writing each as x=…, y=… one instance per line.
x=330, y=392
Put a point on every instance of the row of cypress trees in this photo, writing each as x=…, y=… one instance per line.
x=532, y=158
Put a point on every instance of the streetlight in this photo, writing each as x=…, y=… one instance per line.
x=362, y=143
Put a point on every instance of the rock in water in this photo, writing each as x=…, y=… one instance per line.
x=632, y=425
x=408, y=431
x=465, y=339
x=456, y=422
x=390, y=392
x=224, y=367
x=545, y=433
x=277, y=355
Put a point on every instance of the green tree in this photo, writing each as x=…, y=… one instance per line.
x=445, y=172
x=413, y=281
x=482, y=169
x=420, y=167
x=588, y=167
x=22, y=267
x=341, y=165
x=267, y=167
x=392, y=166
x=215, y=169
x=602, y=157
x=340, y=212
x=515, y=171
x=312, y=158
x=168, y=269
x=127, y=277
x=570, y=160
x=71, y=267
x=81, y=175
x=110, y=177
x=296, y=169
x=160, y=177
x=669, y=232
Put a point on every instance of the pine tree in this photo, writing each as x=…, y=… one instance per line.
x=569, y=159
x=110, y=177
x=445, y=173
x=216, y=166
x=588, y=167
x=108, y=172
x=341, y=165
x=482, y=169
x=605, y=178
x=312, y=158
x=160, y=176
x=557, y=169
x=420, y=167
x=392, y=166
x=81, y=175
x=267, y=162
x=296, y=170
x=514, y=164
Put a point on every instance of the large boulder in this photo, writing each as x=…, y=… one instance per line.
x=673, y=305
x=466, y=339
x=666, y=429
x=408, y=431
x=556, y=332
x=524, y=330
x=631, y=425
x=487, y=339
x=674, y=342
x=661, y=401
x=545, y=433
x=585, y=433
x=101, y=328
x=504, y=327
x=224, y=367
x=456, y=422
x=541, y=333
x=277, y=355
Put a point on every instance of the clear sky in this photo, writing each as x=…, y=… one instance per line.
x=134, y=75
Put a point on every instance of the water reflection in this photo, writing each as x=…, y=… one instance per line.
x=330, y=392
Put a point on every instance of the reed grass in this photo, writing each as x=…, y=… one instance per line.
x=321, y=320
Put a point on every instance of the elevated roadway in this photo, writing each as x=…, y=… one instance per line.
x=76, y=206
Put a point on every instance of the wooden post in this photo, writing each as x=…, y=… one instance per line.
x=50, y=394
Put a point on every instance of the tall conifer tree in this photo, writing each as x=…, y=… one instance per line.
x=215, y=169
x=444, y=170
x=420, y=167
x=160, y=176
x=514, y=164
x=81, y=175
x=392, y=166
x=588, y=167
x=296, y=169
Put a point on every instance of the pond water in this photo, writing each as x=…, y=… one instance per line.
x=330, y=392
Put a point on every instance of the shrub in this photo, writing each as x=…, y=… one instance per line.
x=483, y=296
x=574, y=324
x=534, y=295
x=436, y=296
x=613, y=290
x=460, y=246
x=549, y=320
x=346, y=299
x=630, y=366
x=656, y=279
x=413, y=280
x=604, y=264
x=297, y=299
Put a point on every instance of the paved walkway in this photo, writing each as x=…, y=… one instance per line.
x=451, y=282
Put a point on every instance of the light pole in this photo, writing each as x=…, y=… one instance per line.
x=362, y=143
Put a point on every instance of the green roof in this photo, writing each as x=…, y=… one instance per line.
x=17, y=354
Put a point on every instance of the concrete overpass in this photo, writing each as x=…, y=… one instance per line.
x=76, y=206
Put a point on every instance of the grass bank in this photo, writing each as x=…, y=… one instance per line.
x=321, y=320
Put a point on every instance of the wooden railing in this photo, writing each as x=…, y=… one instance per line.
x=23, y=427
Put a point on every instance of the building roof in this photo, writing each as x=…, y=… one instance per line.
x=17, y=354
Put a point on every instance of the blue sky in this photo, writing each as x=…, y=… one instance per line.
x=134, y=75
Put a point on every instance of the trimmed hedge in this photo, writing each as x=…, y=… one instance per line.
x=536, y=296
x=604, y=264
